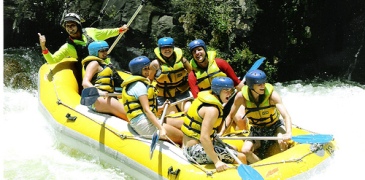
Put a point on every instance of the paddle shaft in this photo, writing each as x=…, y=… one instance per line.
x=112, y=94
x=255, y=66
x=128, y=24
x=307, y=139
x=252, y=138
x=229, y=150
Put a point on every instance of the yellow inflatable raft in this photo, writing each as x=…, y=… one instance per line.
x=113, y=140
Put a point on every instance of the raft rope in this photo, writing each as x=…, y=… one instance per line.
x=123, y=136
x=196, y=164
x=314, y=148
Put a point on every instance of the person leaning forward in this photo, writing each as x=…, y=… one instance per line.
x=201, y=123
x=263, y=108
x=139, y=99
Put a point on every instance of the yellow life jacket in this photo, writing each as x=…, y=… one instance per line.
x=172, y=78
x=205, y=77
x=102, y=80
x=131, y=104
x=260, y=114
x=193, y=121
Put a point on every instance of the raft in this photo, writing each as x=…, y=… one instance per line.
x=112, y=140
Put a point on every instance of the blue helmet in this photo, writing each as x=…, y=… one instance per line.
x=255, y=77
x=197, y=43
x=96, y=46
x=165, y=42
x=136, y=65
x=219, y=83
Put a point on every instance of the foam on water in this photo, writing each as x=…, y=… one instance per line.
x=32, y=152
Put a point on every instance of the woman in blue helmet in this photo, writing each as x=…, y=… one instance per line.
x=139, y=99
x=264, y=109
x=98, y=72
x=170, y=71
x=201, y=124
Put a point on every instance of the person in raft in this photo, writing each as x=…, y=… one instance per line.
x=170, y=70
x=77, y=42
x=263, y=107
x=201, y=123
x=206, y=66
x=139, y=99
x=99, y=72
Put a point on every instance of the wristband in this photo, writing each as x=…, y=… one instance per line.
x=120, y=30
x=45, y=51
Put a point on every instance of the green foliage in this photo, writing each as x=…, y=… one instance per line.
x=218, y=22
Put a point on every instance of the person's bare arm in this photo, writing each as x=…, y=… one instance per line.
x=91, y=69
x=238, y=101
x=154, y=66
x=150, y=115
x=210, y=116
x=187, y=65
x=276, y=99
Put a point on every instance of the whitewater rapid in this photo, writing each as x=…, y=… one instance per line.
x=31, y=150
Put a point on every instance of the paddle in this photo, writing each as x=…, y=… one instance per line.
x=90, y=95
x=303, y=139
x=246, y=172
x=155, y=136
x=255, y=66
x=128, y=24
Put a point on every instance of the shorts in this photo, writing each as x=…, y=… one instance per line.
x=92, y=107
x=143, y=126
x=265, y=131
x=179, y=96
x=198, y=154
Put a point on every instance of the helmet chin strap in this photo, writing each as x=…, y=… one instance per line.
x=255, y=91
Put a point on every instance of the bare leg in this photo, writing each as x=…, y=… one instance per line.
x=111, y=106
x=175, y=122
x=248, y=149
x=242, y=158
x=173, y=133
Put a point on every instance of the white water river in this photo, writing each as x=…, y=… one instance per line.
x=31, y=150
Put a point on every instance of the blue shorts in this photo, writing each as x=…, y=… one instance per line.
x=179, y=96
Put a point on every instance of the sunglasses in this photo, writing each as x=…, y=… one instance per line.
x=228, y=90
x=146, y=68
x=104, y=50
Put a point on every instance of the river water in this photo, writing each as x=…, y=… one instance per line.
x=31, y=150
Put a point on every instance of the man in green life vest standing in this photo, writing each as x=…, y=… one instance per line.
x=77, y=42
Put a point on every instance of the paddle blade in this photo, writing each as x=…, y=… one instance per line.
x=248, y=173
x=257, y=64
x=313, y=138
x=89, y=96
x=155, y=138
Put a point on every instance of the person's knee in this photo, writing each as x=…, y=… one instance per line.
x=242, y=158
